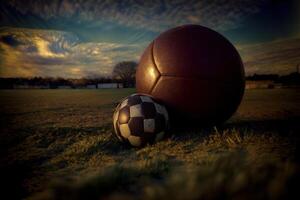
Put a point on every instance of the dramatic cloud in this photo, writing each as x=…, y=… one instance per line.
x=93, y=35
x=27, y=52
x=154, y=15
x=279, y=56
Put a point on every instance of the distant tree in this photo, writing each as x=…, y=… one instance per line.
x=261, y=77
x=125, y=72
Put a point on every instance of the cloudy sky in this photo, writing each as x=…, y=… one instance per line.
x=86, y=38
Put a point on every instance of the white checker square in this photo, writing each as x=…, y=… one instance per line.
x=116, y=115
x=149, y=125
x=119, y=136
x=123, y=104
x=136, y=111
x=135, y=141
x=125, y=131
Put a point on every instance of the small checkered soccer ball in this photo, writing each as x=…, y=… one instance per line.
x=140, y=120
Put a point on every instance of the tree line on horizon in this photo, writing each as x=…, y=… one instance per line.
x=123, y=72
x=289, y=79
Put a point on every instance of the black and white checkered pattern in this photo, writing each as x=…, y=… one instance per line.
x=139, y=119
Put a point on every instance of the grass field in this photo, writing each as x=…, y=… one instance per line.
x=58, y=144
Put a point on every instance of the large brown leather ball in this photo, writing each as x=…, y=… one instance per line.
x=196, y=72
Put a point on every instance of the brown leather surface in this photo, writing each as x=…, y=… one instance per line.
x=196, y=51
x=147, y=73
x=198, y=74
x=204, y=100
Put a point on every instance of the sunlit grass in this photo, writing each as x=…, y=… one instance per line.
x=61, y=146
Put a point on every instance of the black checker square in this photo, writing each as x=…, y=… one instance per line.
x=134, y=100
x=160, y=123
x=139, y=119
x=136, y=126
x=124, y=115
x=149, y=137
x=148, y=110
